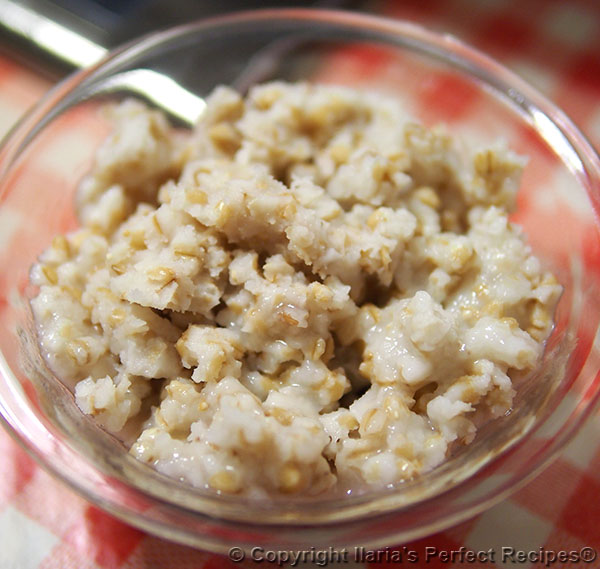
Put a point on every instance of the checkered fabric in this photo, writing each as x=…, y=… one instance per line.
x=556, y=46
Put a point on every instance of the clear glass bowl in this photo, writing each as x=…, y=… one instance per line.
x=440, y=79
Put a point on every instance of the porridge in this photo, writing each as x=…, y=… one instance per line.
x=307, y=292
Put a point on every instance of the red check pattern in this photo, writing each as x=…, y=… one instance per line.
x=556, y=46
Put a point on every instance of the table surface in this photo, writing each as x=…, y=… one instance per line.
x=558, y=50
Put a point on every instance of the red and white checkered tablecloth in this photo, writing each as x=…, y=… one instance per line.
x=556, y=46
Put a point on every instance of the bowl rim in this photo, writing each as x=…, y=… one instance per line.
x=550, y=121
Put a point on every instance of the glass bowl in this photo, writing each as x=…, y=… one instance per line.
x=440, y=80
